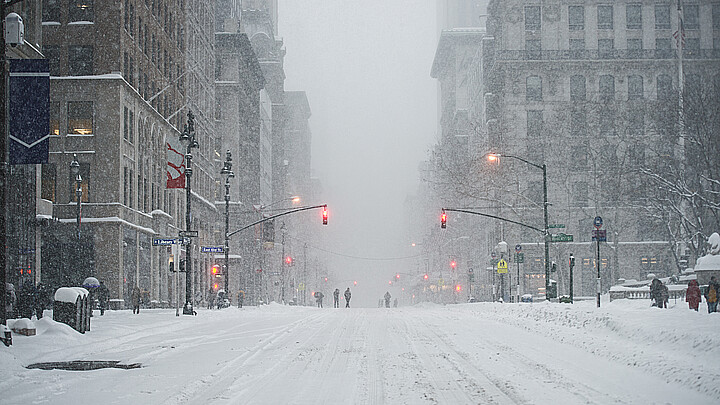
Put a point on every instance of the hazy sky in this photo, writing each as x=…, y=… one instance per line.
x=365, y=65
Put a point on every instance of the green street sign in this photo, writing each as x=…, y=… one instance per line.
x=519, y=257
x=561, y=237
x=556, y=226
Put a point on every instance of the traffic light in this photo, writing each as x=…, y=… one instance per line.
x=425, y=277
x=325, y=215
x=216, y=271
x=453, y=264
x=458, y=288
x=354, y=282
x=288, y=261
x=397, y=276
x=443, y=220
x=325, y=279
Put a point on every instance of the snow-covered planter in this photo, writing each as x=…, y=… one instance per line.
x=72, y=307
x=709, y=265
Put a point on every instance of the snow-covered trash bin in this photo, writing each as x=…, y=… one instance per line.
x=72, y=307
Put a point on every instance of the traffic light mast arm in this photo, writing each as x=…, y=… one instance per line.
x=495, y=217
x=275, y=216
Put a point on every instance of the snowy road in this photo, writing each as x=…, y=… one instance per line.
x=457, y=354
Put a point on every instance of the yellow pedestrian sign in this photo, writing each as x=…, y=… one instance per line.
x=502, y=266
x=301, y=287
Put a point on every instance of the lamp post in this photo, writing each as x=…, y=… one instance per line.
x=228, y=173
x=75, y=170
x=543, y=167
x=188, y=137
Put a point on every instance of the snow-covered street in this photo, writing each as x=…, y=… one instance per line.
x=625, y=352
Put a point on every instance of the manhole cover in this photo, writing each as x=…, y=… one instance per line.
x=82, y=365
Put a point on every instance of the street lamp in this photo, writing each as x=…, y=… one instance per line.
x=228, y=173
x=187, y=137
x=75, y=170
x=496, y=156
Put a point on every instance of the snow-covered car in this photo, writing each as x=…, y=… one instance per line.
x=526, y=298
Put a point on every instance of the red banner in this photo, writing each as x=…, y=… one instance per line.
x=175, y=164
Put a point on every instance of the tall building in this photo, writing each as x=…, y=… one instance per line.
x=590, y=90
x=124, y=75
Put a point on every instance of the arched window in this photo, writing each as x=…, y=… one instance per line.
x=533, y=88
x=635, y=87
x=664, y=87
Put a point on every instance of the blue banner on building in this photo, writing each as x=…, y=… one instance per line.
x=29, y=111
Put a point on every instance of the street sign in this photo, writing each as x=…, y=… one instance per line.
x=518, y=248
x=561, y=237
x=502, y=266
x=301, y=287
x=441, y=282
x=493, y=254
x=470, y=271
x=599, y=235
x=556, y=226
x=188, y=234
x=519, y=257
x=164, y=241
x=212, y=249
x=598, y=222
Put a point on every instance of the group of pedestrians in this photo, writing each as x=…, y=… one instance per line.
x=27, y=300
x=336, y=298
x=712, y=295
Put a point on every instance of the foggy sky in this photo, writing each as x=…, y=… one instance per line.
x=365, y=65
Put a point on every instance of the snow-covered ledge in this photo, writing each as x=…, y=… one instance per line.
x=709, y=265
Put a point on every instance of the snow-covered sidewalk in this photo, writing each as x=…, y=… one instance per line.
x=624, y=352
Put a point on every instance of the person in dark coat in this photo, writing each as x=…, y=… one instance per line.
x=336, y=298
x=387, y=297
x=103, y=297
x=664, y=296
x=656, y=292
x=692, y=296
x=347, y=297
x=318, y=298
x=240, y=298
x=136, y=296
x=712, y=294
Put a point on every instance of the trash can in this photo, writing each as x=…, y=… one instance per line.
x=72, y=307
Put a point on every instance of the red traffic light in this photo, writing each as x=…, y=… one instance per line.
x=325, y=278
x=288, y=260
x=443, y=220
x=397, y=276
x=355, y=282
x=325, y=215
x=458, y=288
x=453, y=264
x=425, y=277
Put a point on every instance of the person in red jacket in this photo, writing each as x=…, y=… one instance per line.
x=693, y=295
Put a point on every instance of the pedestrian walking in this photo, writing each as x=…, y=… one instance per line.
x=240, y=298
x=664, y=296
x=711, y=295
x=211, y=298
x=135, y=298
x=656, y=292
x=387, y=297
x=336, y=298
x=692, y=296
x=319, y=298
x=395, y=303
x=103, y=297
x=347, y=297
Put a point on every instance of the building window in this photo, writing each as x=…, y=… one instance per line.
x=534, y=123
x=664, y=87
x=635, y=87
x=692, y=44
x=633, y=13
x=662, y=17
x=131, y=128
x=55, y=113
x=80, y=117
x=130, y=189
x=51, y=10
x=577, y=44
x=125, y=123
x=605, y=17
x=533, y=88
x=606, y=45
x=580, y=194
x=576, y=18
x=607, y=87
x=577, y=88
x=48, y=185
x=716, y=16
x=578, y=123
x=81, y=10
x=634, y=44
x=533, y=48
x=532, y=18
x=691, y=17
x=80, y=60
x=52, y=53
x=126, y=186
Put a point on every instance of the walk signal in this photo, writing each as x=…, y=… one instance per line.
x=443, y=220
x=325, y=215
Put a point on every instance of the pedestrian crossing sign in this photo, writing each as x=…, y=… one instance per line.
x=502, y=266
